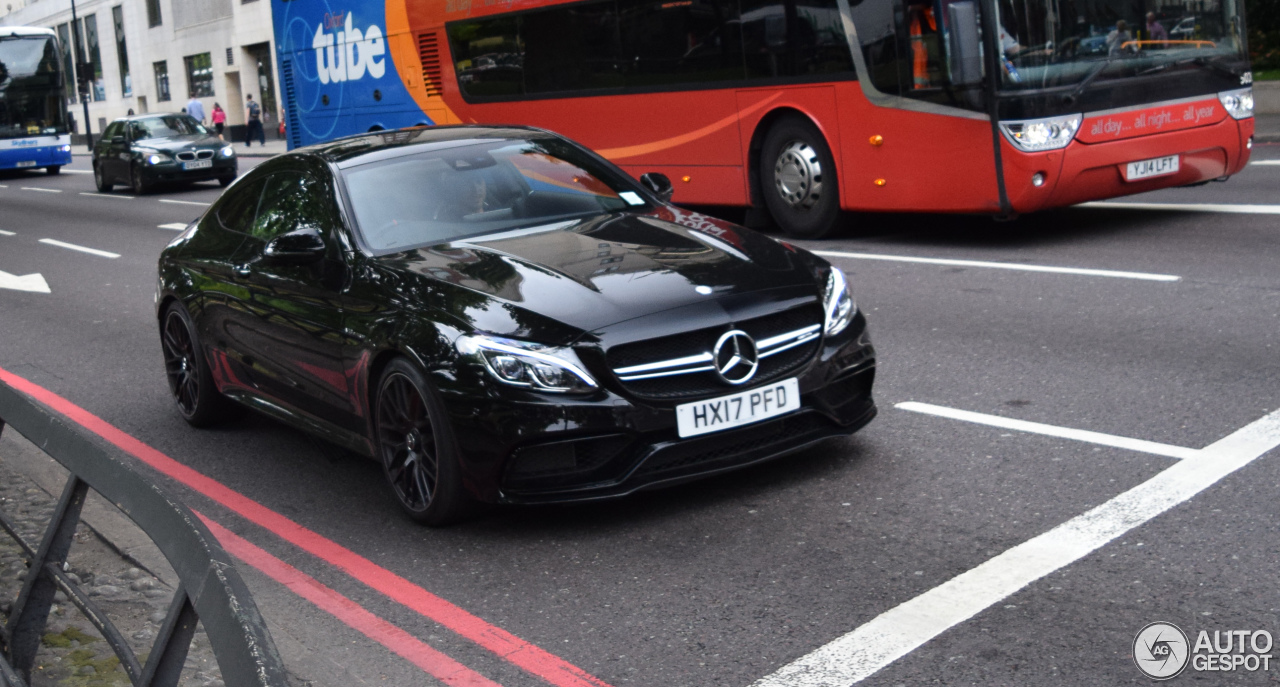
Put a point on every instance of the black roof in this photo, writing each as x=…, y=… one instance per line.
x=380, y=144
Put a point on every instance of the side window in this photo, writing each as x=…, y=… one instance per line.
x=488, y=56
x=292, y=200
x=237, y=209
x=113, y=129
x=685, y=41
x=571, y=48
x=794, y=38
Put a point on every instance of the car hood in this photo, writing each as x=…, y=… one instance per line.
x=175, y=144
x=556, y=281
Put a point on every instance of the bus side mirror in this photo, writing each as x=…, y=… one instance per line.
x=659, y=184
x=964, y=58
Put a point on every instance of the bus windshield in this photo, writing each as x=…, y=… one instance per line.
x=1052, y=43
x=30, y=87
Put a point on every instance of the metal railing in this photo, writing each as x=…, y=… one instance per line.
x=209, y=589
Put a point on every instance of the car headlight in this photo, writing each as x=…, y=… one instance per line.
x=157, y=158
x=837, y=301
x=1050, y=133
x=66, y=149
x=529, y=365
x=1239, y=103
x=228, y=151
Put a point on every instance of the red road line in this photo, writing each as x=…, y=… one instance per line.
x=509, y=647
x=420, y=654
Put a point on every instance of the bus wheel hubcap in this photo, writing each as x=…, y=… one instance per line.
x=798, y=175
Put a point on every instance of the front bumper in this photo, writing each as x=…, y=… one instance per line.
x=173, y=171
x=537, y=449
x=35, y=157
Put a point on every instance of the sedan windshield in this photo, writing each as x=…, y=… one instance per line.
x=165, y=127
x=477, y=188
x=1048, y=43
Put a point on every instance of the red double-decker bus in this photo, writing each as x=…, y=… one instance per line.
x=799, y=109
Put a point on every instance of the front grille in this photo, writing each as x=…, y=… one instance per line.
x=204, y=154
x=186, y=155
x=697, y=345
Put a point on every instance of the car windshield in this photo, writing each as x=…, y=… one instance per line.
x=1048, y=43
x=165, y=127
x=477, y=188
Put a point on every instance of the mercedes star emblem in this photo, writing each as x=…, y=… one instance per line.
x=736, y=357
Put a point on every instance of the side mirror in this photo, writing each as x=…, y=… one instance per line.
x=117, y=139
x=964, y=57
x=298, y=247
x=659, y=184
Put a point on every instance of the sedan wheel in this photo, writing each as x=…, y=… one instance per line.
x=100, y=179
x=140, y=186
x=190, y=380
x=416, y=447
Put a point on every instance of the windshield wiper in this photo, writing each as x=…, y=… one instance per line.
x=1088, y=79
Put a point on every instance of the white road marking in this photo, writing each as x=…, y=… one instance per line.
x=42, y=190
x=1051, y=430
x=900, y=630
x=7, y=233
x=107, y=195
x=75, y=171
x=1265, y=162
x=175, y=226
x=1189, y=207
x=1001, y=266
x=82, y=249
x=183, y=202
x=33, y=283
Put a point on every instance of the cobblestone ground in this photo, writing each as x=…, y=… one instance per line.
x=73, y=653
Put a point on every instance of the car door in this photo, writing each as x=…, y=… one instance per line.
x=290, y=329
x=108, y=152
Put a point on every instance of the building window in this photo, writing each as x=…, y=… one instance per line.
x=199, y=75
x=122, y=52
x=97, y=86
x=153, y=14
x=162, y=81
x=68, y=66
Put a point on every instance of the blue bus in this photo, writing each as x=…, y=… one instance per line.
x=33, y=113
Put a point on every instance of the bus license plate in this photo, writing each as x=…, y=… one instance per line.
x=27, y=163
x=1145, y=169
x=198, y=164
x=727, y=412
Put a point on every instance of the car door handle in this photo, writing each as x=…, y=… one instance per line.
x=243, y=270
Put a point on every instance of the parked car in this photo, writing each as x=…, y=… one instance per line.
x=144, y=150
x=500, y=315
x=1184, y=30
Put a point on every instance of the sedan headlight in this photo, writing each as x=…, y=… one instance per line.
x=157, y=158
x=1034, y=135
x=529, y=365
x=1239, y=103
x=837, y=301
x=228, y=151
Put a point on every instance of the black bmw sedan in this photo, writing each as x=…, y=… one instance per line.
x=144, y=150
x=500, y=315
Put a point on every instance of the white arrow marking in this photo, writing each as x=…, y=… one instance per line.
x=34, y=283
x=175, y=226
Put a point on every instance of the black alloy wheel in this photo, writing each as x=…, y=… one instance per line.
x=190, y=380
x=416, y=447
x=100, y=179
x=140, y=186
x=798, y=179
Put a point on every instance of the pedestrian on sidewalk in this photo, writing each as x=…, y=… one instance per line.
x=196, y=109
x=219, y=119
x=254, y=129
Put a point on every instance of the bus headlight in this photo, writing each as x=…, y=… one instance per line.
x=1238, y=103
x=66, y=149
x=1034, y=135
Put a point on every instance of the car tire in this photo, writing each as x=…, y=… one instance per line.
x=798, y=179
x=415, y=444
x=190, y=380
x=100, y=179
x=53, y=169
x=140, y=185
x=225, y=181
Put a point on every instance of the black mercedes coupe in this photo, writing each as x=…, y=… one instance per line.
x=497, y=314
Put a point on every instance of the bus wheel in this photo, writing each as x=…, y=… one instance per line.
x=797, y=173
x=54, y=169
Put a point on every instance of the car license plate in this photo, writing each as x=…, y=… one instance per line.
x=197, y=164
x=727, y=412
x=1145, y=169
x=27, y=163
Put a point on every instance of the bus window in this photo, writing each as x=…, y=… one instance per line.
x=489, y=57
x=680, y=41
x=793, y=38
x=571, y=48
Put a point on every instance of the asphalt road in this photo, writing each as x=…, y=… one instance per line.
x=726, y=581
